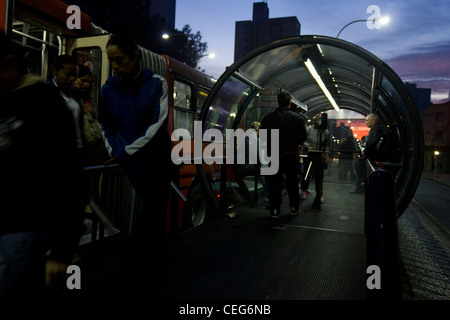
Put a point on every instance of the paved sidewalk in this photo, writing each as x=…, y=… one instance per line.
x=443, y=178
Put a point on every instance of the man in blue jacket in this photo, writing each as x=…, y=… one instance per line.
x=133, y=111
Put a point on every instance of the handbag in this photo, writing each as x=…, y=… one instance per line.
x=92, y=130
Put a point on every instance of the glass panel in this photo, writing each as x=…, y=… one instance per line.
x=201, y=98
x=92, y=58
x=222, y=112
x=183, y=116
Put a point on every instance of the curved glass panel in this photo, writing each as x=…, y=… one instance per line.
x=357, y=83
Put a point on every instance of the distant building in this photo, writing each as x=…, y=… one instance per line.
x=421, y=96
x=250, y=35
x=436, y=129
x=165, y=9
x=117, y=15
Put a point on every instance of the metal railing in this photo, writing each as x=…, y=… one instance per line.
x=381, y=231
x=113, y=200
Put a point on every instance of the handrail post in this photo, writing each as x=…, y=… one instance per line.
x=382, y=234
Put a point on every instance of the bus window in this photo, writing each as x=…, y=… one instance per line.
x=183, y=115
x=201, y=98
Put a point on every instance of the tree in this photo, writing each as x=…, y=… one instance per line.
x=185, y=46
x=194, y=48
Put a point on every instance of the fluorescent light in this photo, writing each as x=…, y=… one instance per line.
x=319, y=81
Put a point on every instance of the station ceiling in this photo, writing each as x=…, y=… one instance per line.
x=355, y=79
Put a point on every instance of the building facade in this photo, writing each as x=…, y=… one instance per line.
x=436, y=129
x=261, y=30
x=421, y=96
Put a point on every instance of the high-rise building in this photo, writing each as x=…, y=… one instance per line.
x=436, y=124
x=165, y=9
x=421, y=96
x=251, y=34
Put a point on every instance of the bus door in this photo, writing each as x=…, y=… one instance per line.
x=91, y=51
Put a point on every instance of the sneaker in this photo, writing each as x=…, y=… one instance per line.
x=294, y=211
x=321, y=198
x=303, y=195
x=309, y=191
x=274, y=213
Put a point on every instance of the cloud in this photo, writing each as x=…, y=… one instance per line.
x=429, y=67
x=433, y=64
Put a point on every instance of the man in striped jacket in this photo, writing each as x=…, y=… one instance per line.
x=133, y=110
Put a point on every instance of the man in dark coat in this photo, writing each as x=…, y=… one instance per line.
x=292, y=134
x=376, y=148
x=42, y=191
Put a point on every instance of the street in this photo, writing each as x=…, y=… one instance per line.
x=433, y=198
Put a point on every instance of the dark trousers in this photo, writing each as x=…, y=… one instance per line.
x=153, y=188
x=145, y=246
x=289, y=169
x=315, y=161
x=360, y=168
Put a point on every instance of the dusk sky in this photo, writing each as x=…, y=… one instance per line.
x=415, y=43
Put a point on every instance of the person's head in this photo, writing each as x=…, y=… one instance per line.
x=12, y=65
x=316, y=120
x=371, y=120
x=84, y=79
x=255, y=125
x=284, y=99
x=124, y=55
x=65, y=69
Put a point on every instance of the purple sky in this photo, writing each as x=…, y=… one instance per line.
x=415, y=43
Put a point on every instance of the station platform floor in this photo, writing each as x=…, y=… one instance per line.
x=246, y=255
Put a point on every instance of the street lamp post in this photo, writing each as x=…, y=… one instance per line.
x=359, y=20
x=382, y=20
x=197, y=59
x=436, y=153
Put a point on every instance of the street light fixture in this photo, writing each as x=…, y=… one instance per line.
x=211, y=55
x=436, y=153
x=382, y=20
x=169, y=35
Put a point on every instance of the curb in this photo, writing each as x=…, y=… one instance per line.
x=441, y=233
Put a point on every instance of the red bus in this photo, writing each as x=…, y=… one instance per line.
x=40, y=26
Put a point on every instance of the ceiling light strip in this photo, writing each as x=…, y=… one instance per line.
x=319, y=81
